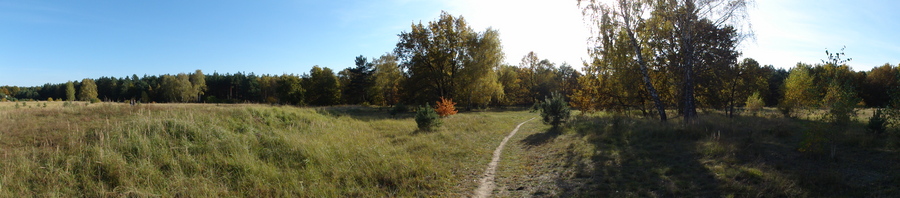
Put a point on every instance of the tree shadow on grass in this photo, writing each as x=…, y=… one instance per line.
x=627, y=157
x=538, y=139
x=363, y=113
x=634, y=158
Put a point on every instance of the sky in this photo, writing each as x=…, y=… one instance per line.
x=57, y=41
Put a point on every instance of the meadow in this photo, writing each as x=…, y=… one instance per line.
x=615, y=155
x=253, y=150
x=207, y=150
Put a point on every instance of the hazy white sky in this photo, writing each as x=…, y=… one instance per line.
x=56, y=41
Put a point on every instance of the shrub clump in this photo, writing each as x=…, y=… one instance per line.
x=427, y=119
x=445, y=107
x=554, y=110
x=877, y=123
x=754, y=103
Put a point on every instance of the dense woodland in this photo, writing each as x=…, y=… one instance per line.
x=648, y=58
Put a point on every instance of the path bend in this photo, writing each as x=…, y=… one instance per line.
x=486, y=184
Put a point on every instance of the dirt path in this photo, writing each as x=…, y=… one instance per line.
x=486, y=184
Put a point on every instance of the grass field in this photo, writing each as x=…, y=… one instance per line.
x=616, y=156
x=196, y=150
x=208, y=150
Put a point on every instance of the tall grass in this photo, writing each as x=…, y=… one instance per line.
x=240, y=150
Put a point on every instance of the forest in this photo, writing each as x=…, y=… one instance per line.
x=666, y=61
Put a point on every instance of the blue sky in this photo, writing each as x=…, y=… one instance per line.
x=56, y=41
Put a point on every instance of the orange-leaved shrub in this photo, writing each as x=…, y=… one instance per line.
x=445, y=107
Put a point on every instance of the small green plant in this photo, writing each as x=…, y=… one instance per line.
x=555, y=110
x=94, y=100
x=877, y=123
x=754, y=103
x=427, y=119
x=17, y=105
x=45, y=105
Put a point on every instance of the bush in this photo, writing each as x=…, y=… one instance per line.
x=94, y=100
x=841, y=101
x=427, y=119
x=754, y=103
x=445, y=107
x=555, y=110
x=877, y=123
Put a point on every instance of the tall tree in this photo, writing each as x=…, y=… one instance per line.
x=740, y=81
x=198, y=85
x=568, y=80
x=515, y=90
x=478, y=83
x=88, y=90
x=436, y=58
x=358, y=82
x=775, y=78
x=324, y=88
x=290, y=90
x=388, y=77
x=626, y=15
x=878, y=86
x=70, y=91
x=799, y=90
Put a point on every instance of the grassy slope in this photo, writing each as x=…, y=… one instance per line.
x=239, y=150
x=610, y=156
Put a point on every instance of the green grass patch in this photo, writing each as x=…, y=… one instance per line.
x=193, y=150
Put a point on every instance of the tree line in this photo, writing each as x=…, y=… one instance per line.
x=672, y=57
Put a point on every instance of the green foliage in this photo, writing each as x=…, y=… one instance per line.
x=357, y=82
x=387, y=77
x=427, y=119
x=877, y=123
x=88, y=90
x=799, y=91
x=116, y=150
x=447, y=58
x=324, y=87
x=555, y=110
x=94, y=100
x=841, y=101
x=70, y=91
x=754, y=103
x=290, y=89
x=198, y=85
